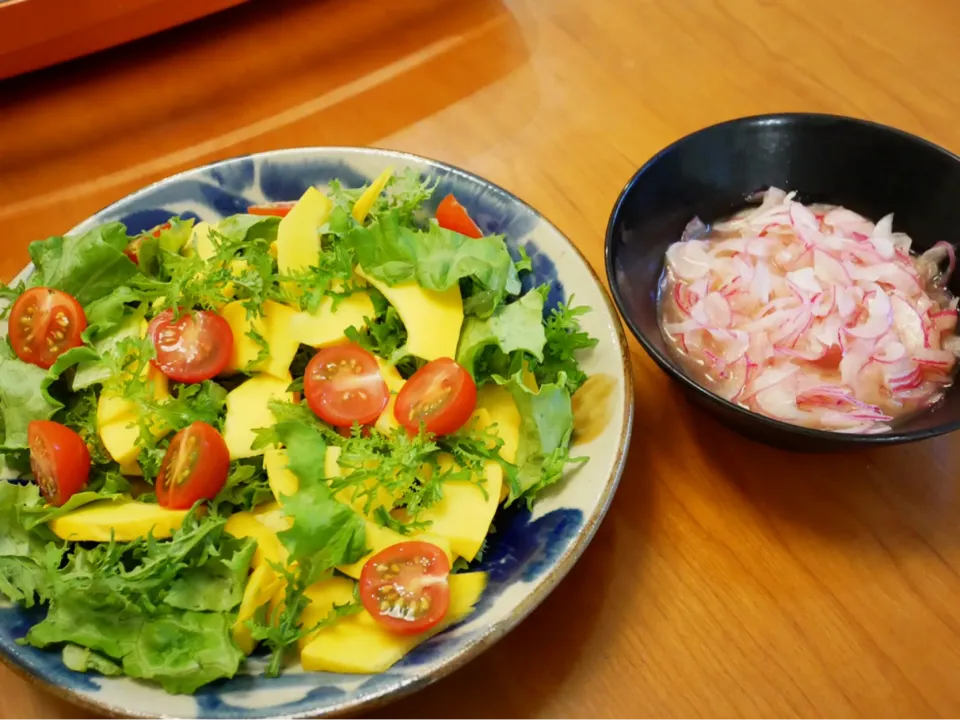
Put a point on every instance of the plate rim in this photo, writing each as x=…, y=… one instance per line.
x=494, y=632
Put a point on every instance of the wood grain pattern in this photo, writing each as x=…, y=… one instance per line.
x=728, y=578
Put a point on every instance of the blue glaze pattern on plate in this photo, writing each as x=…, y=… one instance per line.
x=236, y=175
x=223, y=202
x=163, y=195
x=143, y=220
x=530, y=550
x=216, y=700
x=544, y=271
x=523, y=548
x=288, y=181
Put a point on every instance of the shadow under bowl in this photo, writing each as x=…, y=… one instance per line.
x=869, y=168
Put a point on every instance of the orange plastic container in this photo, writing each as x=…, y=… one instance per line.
x=39, y=33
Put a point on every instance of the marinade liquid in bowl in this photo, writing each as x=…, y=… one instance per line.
x=812, y=315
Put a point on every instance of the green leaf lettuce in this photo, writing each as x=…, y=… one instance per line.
x=324, y=530
x=437, y=259
x=23, y=398
x=88, y=266
x=513, y=327
x=546, y=425
x=25, y=549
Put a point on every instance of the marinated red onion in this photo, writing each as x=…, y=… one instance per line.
x=812, y=315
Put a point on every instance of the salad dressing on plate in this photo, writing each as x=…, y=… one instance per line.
x=591, y=408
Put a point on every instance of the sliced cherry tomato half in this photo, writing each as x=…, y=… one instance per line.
x=194, y=467
x=441, y=395
x=454, y=216
x=44, y=324
x=193, y=347
x=59, y=459
x=343, y=385
x=404, y=587
x=280, y=209
x=132, y=250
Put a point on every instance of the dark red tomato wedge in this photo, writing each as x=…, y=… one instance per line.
x=454, y=216
x=193, y=347
x=441, y=396
x=404, y=587
x=44, y=324
x=343, y=385
x=132, y=250
x=59, y=459
x=194, y=467
x=159, y=229
x=279, y=209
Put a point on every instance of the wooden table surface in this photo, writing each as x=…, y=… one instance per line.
x=728, y=578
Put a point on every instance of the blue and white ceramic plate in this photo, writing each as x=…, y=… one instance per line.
x=530, y=552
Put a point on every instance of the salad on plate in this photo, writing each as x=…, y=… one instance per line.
x=286, y=432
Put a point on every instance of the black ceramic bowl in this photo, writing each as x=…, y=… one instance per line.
x=869, y=168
